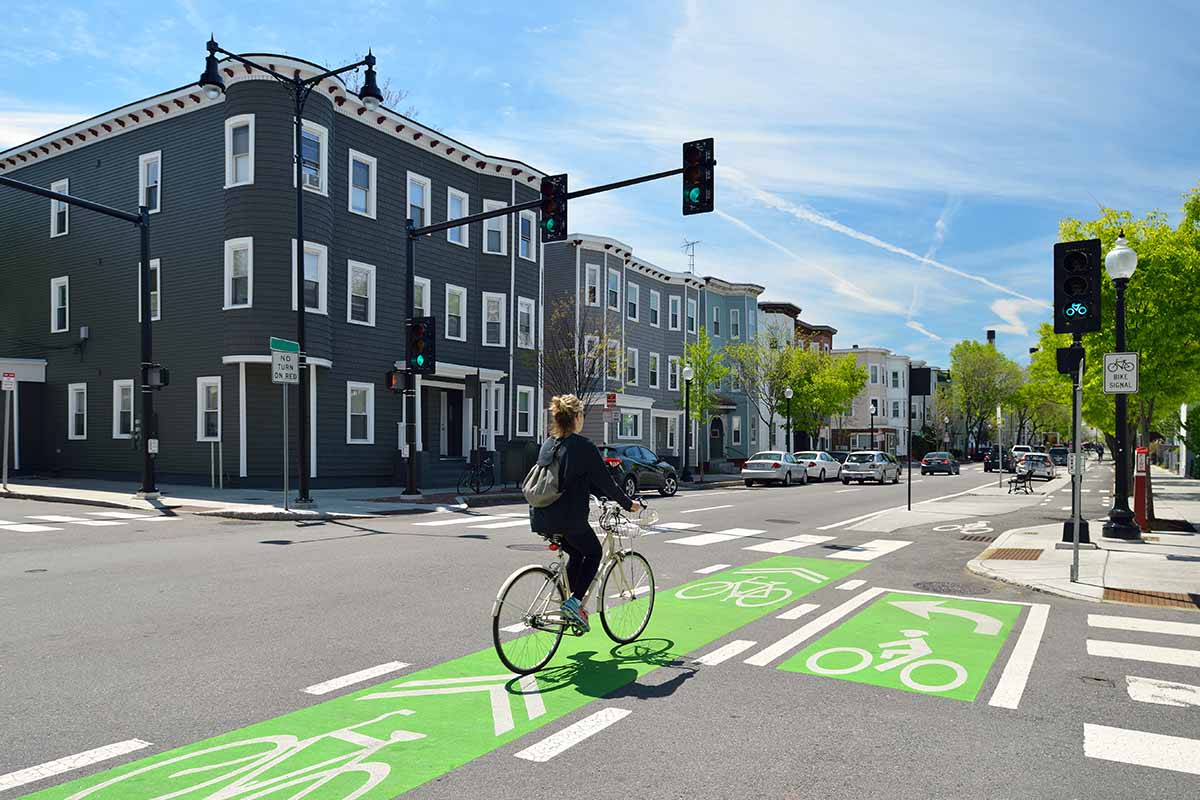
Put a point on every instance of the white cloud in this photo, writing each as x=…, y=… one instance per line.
x=921, y=329
x=1011, y=312
x=18, y=127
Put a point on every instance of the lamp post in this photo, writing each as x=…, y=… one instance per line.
x=874, y=408
x=1120, y=263
x=214, y=85
x=787, y=393
x=688, y=374
x=946, y=431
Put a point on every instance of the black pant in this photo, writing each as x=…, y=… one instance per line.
x=585, y=553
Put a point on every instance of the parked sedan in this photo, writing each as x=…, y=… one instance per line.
x=819, y=465
x=870, y=465
x=1038, y=465
x=940, y=461
x=773, y=466
x=636, y=468
x=1059, y=456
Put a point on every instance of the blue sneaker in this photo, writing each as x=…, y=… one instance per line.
x=575, y=612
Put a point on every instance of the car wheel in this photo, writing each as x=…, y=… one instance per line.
x=749, y=484
x=804, y=477
x=896, y=479
x=670, y=486
x=821, y=477
x=630, y=485
x=956, y=472
x=923, y=472
x=787, y=478
x=845, y=481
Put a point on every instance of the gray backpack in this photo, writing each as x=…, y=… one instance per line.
x=540, y=486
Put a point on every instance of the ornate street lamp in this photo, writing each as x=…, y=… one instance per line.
x=688, y=374
x=1120, y=263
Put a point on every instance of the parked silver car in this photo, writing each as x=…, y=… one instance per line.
x=773, y=466
x=870, y=465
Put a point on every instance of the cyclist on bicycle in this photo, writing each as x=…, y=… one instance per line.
x=582, y=473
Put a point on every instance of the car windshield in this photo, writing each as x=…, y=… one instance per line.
x=808, y=455
x=938, y=455
x=767, y=455
x=1058, y=451
x=860, y=458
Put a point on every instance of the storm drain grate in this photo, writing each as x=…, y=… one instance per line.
x=977, y=537
x=1148, y=598
x=1012, y=554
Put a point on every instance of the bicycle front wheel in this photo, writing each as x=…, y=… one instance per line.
x=527, y=625
x=626, y=597
x=467, y=481
x=486, y=480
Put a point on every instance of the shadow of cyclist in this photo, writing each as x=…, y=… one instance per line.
x=613, y=674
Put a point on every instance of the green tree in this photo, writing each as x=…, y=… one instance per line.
x=760, y=366
x=983, y=378
x=708, y=368
x=823, y=385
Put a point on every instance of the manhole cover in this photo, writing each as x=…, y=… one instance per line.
x=946, y=587
x=276, y=541
x=35, y=570
x=786, y=521
x=528, y=548
x=1101, y=681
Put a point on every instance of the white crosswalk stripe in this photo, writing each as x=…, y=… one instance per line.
x=29, y=528
x=869, y=551
x=789, y=544
x=457, y=519
x=729, y=534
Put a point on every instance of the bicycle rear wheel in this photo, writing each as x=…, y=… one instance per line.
x=486, y=479
x=626, y=597
x=527, y=623
x=467, y=481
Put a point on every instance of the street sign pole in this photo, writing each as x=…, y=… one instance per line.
x=8, y=393
x=1000, y=444
x=908, y=455
x=285, y=447
x=285, y=369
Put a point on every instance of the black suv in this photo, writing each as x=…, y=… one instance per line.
x=636, y=468
x=992, y=458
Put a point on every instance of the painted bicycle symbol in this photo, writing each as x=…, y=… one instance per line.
x=981, y=526
x=1076, y=309
x=754, y=591
x=1120, y=365
x=907, y=655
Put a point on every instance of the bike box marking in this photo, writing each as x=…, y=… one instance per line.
x=918, y=643
x=400, y=734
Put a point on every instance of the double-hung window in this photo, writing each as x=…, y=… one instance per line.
x=652, y=370
x=316, y=277
x=458, y=205
x=630, y=426
x=632, y=301
x=614, y=290
x=691, y=315
x=591, y=354
x=631, y=366
x=360, y=413
x=495, y=230
x=895, y=379
x=239, y=273
x=524, y=411
x=716, y=321
x=419, y=190
x=528, y=236
x=314, y=156
x=421, y=304
x=613, y=357
x=655, y=304
x=122, y=419
x=735, y=323
x=874, y=374
x=60, y=304
x=77, y=411
x=592, y=294
x=672, y=433
x=155, y=291
x=208, y=409
x=360, y=293
x=59, y=211
x=363, y=170
x=673, y=373
x=673, y=313
x=150, y=181
x=239, y=150
x=456, y=313
x=895, y=409
x=525, y=312
x=493, y=319
x=737, y=429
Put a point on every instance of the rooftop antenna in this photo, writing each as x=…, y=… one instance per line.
x=689, y=247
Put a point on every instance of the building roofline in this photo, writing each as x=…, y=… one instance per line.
x=780, y=307
x=617, y=247
x=731, y=285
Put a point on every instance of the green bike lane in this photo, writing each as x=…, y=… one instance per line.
x=387, y=739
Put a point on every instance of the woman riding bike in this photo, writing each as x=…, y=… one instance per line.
x=582, y=473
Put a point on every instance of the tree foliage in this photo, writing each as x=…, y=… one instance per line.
x=983, y=378
x=708, y=366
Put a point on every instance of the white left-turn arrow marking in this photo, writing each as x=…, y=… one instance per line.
x=984, y=625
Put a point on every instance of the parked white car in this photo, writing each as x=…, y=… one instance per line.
x=870, y=465
x=1038, y=465
x=773, y=466
x=820, y=465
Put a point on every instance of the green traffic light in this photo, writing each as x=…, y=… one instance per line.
x=693, y=194
x=550, y=224
x=420, y=361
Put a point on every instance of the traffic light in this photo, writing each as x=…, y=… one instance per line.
x=422, y=345
x=698, y=163
x=1077, y=286
x=554, y=208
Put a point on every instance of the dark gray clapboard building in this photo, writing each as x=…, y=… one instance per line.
x=218, y=176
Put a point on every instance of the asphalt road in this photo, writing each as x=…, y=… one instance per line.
x=169, y=632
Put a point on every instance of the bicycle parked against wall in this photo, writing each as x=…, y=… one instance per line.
x=478, y=478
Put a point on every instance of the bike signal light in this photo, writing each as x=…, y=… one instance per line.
x=422, y=345
x=554, y=208
x=699, y=162
x=1077, y=268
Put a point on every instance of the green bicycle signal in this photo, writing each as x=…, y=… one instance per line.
x=1076, y=309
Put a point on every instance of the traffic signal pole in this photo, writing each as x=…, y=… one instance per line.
x=410, y=377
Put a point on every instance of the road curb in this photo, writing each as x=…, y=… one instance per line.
x=133, y=504
x=976, y=567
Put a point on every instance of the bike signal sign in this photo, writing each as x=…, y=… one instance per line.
x=1120, y=373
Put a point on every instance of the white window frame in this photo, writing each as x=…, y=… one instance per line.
x=230, y=172
x=716, y=321
x=483, y=328
x=490, y=224
x=874, y=374
x=674, y=373
x=895, y=379
x=528, y=393
x=533, y=235
x=372, y=190
x=63, y=280
x=462, y=292
x=351, y=266
x=203, y=383
x=735, y=323
x=463, y=230
x=351, y=386
x=427, y=209
x=232, y=245
x=693, y=310
x=655, y=308
x=735, y=429
x=62, y=187
x=607, y=288
x=614, y=370
x=155, y=270
x=653, y=373
x=322, y=253
x=753, y=432
x=427, y=287
x=631, y=360
x=635, y=414
x=143, y=160
x=118, y=387
x=498, y=410
x=592, y=279
x=634, y=291
x=895, y=409
x=674, y=312
x=526, y=306
x=322, y=134
x=72, y=409
x=673, y=433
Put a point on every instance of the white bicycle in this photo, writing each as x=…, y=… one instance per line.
x=752, y=592
x=981, y=526
x=907, y=655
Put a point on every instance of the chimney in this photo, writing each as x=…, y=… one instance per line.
x=855, y=347
x=991, y=338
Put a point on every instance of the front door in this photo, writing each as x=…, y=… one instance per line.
x=454, y=424
x=660, y=434
x=716, y=441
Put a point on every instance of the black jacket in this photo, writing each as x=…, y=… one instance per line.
x=583, y=473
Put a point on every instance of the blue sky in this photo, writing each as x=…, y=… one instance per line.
x=899, y=173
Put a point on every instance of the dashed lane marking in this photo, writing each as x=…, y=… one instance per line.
x=850, y=586
x=706, y=508
x=458, y=519
x=798, y=611
x=677, y=526
x=725, y=652
x=68, y=763
x=713, y=568
x=572, y=735
x=843, y=491
x=794, y=639
x=511, y=523
x=325, y=687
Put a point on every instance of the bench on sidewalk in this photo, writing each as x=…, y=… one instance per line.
x=1021, y=482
